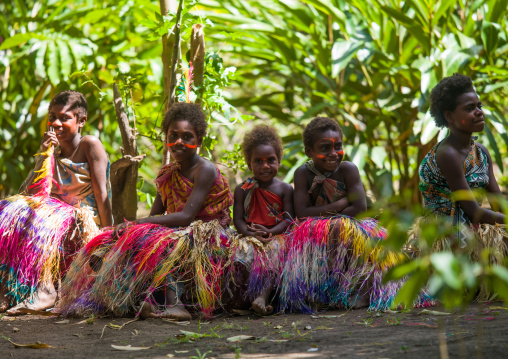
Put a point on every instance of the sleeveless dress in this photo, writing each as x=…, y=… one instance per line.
x=437, y=196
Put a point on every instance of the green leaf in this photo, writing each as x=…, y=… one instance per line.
x=53, y=61
x=494, y=146
x=411, y=289
x=401, y=270
x=489, y=34
x=39, y=59
x=19, y=39
x=65, y=59
x=342, y=53
x=446, y=265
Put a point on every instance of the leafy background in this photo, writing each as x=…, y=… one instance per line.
x=371, y=65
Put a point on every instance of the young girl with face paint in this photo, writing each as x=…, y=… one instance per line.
x=324, y=265
x=326, y=185
x=80, y=179
x=176, y=245
x=263, y=208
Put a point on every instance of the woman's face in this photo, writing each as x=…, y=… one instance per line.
x=468, y=115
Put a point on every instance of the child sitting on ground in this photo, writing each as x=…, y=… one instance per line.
x=178, y=240
x=81, y=174
x=263, y=208
x=324, y=264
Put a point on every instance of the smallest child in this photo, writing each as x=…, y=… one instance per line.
x=263, y=208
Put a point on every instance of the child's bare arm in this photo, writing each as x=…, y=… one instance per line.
x=157, y=206
x=239, y=214
x=98, y=163
x=450, y=162
x=356, y=192
x=204, y=178
x=302, y=200
x=493, y=190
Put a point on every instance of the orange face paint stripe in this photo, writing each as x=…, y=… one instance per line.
x=185, y=144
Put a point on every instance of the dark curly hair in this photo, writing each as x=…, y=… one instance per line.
x=445, y=95
x=75, y=100
x=183, y=111
x=261, y=135
x=317, y=126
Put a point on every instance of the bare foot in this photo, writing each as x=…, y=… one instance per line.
x=177, y=312
x=45, y=298
x=5, y=301
x=260, y=307
x=145, y=311
x=361, y=301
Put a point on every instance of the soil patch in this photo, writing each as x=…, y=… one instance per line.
x=478, y=331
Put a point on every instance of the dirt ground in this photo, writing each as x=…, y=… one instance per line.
x=480, y=331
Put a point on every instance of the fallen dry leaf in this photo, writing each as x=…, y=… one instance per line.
x=433, y=312
x=14, y=330
x=174, y=321
x=308, y=327
x=278, y=327
x=181, y=351
x=36, y=345
x=391, y=311
x=65, y=321
x=128, y=347
x=240, y=338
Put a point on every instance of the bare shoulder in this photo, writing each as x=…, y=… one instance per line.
x=92, y=144
x=239, y=189
x=347, y=168
x=206, y=171
x=286, y=187
x=281, y=188
x=301, y=171
x=91, y=141
x=446, y=154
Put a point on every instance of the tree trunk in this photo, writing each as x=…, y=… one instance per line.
x=124, y=172
x=176, y=54
x=198, y=59
x=170, y=55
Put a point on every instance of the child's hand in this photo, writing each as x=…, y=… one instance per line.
x=265, y=240
x=49, y=138
x=258, y=230
x=119, y=229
